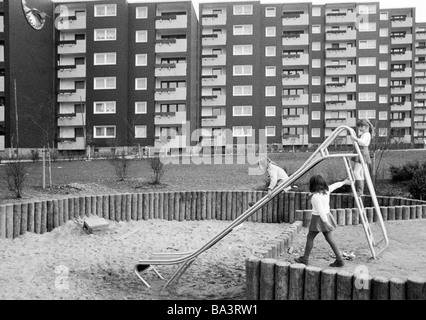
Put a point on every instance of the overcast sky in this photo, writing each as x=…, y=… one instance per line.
x=420, y=5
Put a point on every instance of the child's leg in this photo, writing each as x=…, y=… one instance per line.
x=329, y=238
x=359, y=178
x=310, y=243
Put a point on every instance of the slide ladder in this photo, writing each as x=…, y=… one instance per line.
x=187, y=258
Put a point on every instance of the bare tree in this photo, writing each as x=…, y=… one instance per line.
x=16, y=173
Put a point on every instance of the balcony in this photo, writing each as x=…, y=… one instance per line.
x=405, y=123
x=213, y=19
x=295, y=139
x=341, y=17
x=71, y=120
x=334, y=123
x=295, y=19
x=213, y=80
x=402, y=73
x=171, y=22
x=420, y=65
x=71, y=22
x=420, y=109
x=340, y=105
x=295, y=80
x=296, y=120
x=420, y=125
x=72, y=47
x=407, y=39
x=402, y=23
x=171, y=45
x=75, y=95
x=296, y=100
x=402, y=89
x=334, y=70
x=420, y=49
x=72, y=71
x=296, y=59
x=295, y=40
x=216, y=141
x=169, y=118
x=340, y=87
x=213, y=39
x=421, y=35
x=407, y=55
x=213, y=100
x=2, y=146
x=420, y=94
x=420, y=80
x=1, y=114
x=71, y=143
x=340, y=52
x=176, y=142
x=340, y=35
x=170, y=94
x=213, y=60
x=170, y=69
x=213, y=121
x=401, y=106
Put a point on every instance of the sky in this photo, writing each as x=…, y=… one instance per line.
x=420, y=5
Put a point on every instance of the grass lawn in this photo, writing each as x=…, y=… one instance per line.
x=98, y=176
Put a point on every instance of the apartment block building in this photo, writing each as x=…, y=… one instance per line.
x=113, y=73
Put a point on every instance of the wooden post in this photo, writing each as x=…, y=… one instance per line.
x=111, y=207
x=405, y=213
x=355, y=216
x=299, y=215
x=413, y=211
x=391, y=213
x=398, y=213
x=203, y=205
x=71, y=208
x=328, y=284
x=384, y=212
x=93, y=201
x=209, y=205
x=344, y=285
x=280, y=208
x=267, y=279
x=229, y=212
x=312, y=283
x=151, y=205
x=282, y=275
x=341, y=219
x=31, y=218
x=55, y=213
x=224, y=206
x=237, y=205
x=286, y=207
x=24, y=217
x=105, y=207
x=88, y=205
x=252, y=278
x=61, y=212
x=182, y=206
x=188, y=200
x=16, y=220
x=397, y=289
x=43, y=217
x=362, y=287
x=139, y=209
x=416, y=288
x=418, y=211
x=123, y=208
x=128, y=207
x=166, y=205
x=2, y=222
x=369, y=212
x=307, y=216
x=117, y=203
x=171, y=213
x=291, y=207
x=245, y=201
x=99, y=206
x=348, y=217
x=296, y=285
x=37, y=217
x=423, y=211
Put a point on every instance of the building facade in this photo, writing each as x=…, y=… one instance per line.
x=116, y=74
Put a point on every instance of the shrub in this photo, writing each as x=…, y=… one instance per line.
x=157, y=168
x=121, y=165
x=16, y=173
x=35, y=155
x=417, y=185
x=404, y=172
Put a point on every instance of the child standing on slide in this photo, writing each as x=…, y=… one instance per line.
x=322, y=220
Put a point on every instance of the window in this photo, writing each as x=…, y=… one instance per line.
x=383, y=65
x=270, y=91
x=270, y=111
x=243, y=9
x=367, y=44
x=316, y=63
x=316, y=46
x=141, y=12
x=383, y=115
x=104, y=131
x=140, y=132
x=270, y=12
x=109, y=58
x=383, y=82
x=141, y=36
x=383, y=132
x=270, y=71
x=106, y=10
x=366, y=26
x=140, y=83
x=316, y=29
x=316, y=132
x=241, y=30
x=367, y=62
x=316, y=115
x=316, y=98
x=141, y=60
x=384, y=16
x=369, y=114
x=105, y=34
x=243, y=70
x=367, y=9
x=383, y=98
x=316, y=11
x=366, y=96
x=367, y=79
x=140, y=107
x=316, y=81
x=384, y=32
x=270, y=131
x=384, y=49
x=104, y=83
x=243, y=131
x=270, y=31
x=242, y=111
x=104, y=107
x=270, y=51
x=243, y=50
x=242, y=90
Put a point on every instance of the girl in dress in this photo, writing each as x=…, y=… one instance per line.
x=322, y=220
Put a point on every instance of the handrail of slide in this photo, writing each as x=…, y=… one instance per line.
x=310, y=163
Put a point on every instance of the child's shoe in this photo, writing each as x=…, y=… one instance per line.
x=302, y=259
x=338, y=263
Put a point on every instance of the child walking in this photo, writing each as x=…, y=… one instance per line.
x=322, y=220
x=365, y=129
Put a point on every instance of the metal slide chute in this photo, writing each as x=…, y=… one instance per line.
x=186, y=258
